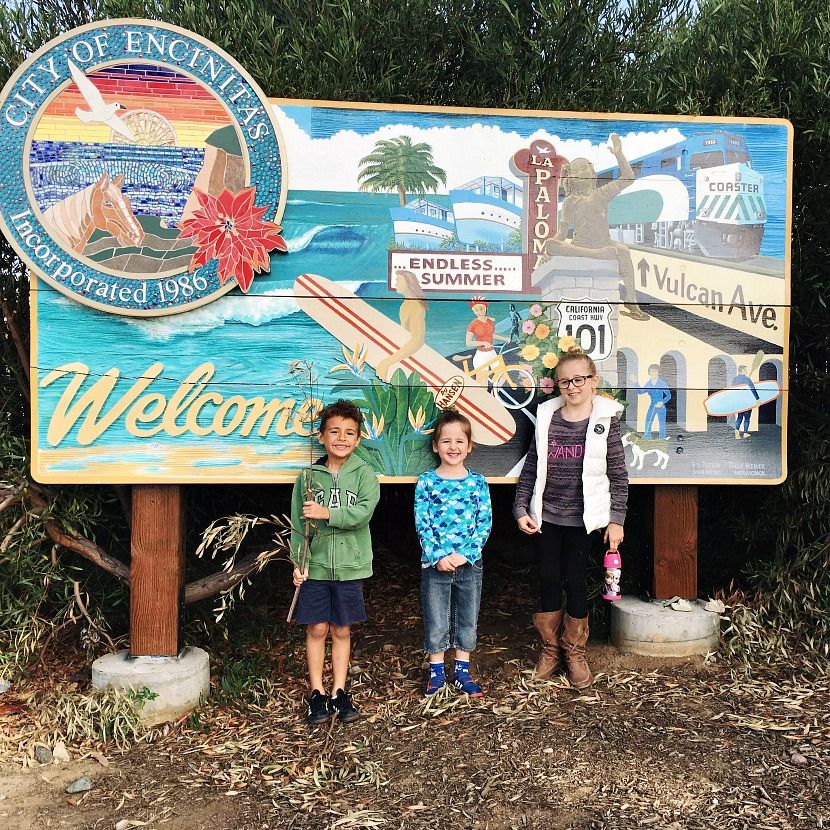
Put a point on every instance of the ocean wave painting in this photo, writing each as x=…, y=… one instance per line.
x=157, y=180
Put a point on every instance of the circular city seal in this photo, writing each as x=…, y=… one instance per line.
x=142, y=169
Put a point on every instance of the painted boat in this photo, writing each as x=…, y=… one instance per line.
x=422, y=224
x=487, y=209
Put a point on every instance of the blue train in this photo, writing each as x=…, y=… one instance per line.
x=699, y=196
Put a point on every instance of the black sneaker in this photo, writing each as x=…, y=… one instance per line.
x=319, y=708
x=342, y=704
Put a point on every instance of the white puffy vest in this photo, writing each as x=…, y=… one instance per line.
x=596, y=489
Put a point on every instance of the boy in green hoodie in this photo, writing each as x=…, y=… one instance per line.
x=345, y=492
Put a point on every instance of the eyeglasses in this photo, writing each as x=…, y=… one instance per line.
x=576, y=380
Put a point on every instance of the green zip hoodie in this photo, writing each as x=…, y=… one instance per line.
x=341, y=548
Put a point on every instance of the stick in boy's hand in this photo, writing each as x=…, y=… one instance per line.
x=303, y=575
x=302, y=571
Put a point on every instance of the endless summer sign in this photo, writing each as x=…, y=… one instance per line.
x=437, y=258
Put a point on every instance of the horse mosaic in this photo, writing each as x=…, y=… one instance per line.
x=102, y=206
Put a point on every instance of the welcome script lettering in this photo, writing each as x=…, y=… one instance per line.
x=146, y=412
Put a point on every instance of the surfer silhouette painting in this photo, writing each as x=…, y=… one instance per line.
x=585, y=209
x=742, y=420
x=515, y=323
x=412, y=315
x=743, y=396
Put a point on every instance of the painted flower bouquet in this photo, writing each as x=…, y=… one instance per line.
x=540, y=346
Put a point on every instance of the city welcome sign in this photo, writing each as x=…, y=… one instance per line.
x=191, y=240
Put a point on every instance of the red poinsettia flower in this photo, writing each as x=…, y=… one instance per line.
x=230, y=228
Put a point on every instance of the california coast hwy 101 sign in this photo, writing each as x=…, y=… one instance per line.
x=176, y=119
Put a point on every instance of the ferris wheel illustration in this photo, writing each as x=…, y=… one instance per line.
x=150, y=128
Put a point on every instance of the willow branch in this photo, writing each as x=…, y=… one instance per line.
x=199, y=589
x=216, y=583
x=4, y=545
x=8, y=501
x=88, y=549
x=76, y=586
x=79, y=544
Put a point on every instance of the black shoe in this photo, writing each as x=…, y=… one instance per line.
x=342, y=704
x=319, y=708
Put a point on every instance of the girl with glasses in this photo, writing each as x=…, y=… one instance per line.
x=573, y=483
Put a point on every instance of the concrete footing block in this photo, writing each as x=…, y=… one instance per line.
x=651, y=629
x=180, y=683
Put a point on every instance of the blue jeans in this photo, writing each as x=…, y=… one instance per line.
x=658, y=412
x=742, y=421
x=450, y=602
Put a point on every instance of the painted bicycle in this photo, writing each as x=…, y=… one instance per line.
x=512, y=384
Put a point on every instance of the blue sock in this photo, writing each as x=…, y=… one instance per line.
x=437, y=678
x=463, y=680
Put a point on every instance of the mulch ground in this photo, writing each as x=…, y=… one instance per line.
x=661, y=744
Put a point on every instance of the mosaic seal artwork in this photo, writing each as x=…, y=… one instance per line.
x=147, y=173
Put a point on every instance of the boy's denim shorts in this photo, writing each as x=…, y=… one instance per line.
x=324, y=600
x=450, y=601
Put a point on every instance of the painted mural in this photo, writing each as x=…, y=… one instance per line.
x=423, y=258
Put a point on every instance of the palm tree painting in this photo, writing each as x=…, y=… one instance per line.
x=399, y=165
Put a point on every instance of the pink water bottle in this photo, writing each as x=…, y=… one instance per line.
x=613, y=570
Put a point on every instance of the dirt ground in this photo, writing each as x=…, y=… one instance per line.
x=663, y=744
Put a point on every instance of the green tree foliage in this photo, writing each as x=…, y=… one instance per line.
x=557, y=54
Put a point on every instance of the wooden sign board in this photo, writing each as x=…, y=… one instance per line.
x=191, y=240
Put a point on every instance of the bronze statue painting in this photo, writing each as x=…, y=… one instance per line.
x=585, y=209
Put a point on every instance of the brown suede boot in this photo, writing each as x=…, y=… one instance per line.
x=573, y=640
x=549, y=625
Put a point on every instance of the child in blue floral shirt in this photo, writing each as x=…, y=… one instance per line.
x=453, y=518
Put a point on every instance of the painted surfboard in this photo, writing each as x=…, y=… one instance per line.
x=355, y=323
x=735, y=399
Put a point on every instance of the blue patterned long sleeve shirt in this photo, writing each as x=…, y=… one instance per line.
x=452, y=515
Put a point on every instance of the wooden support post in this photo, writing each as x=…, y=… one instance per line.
x=675, y=541
x=156, y=570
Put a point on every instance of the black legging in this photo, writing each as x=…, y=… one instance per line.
x=563, y=561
